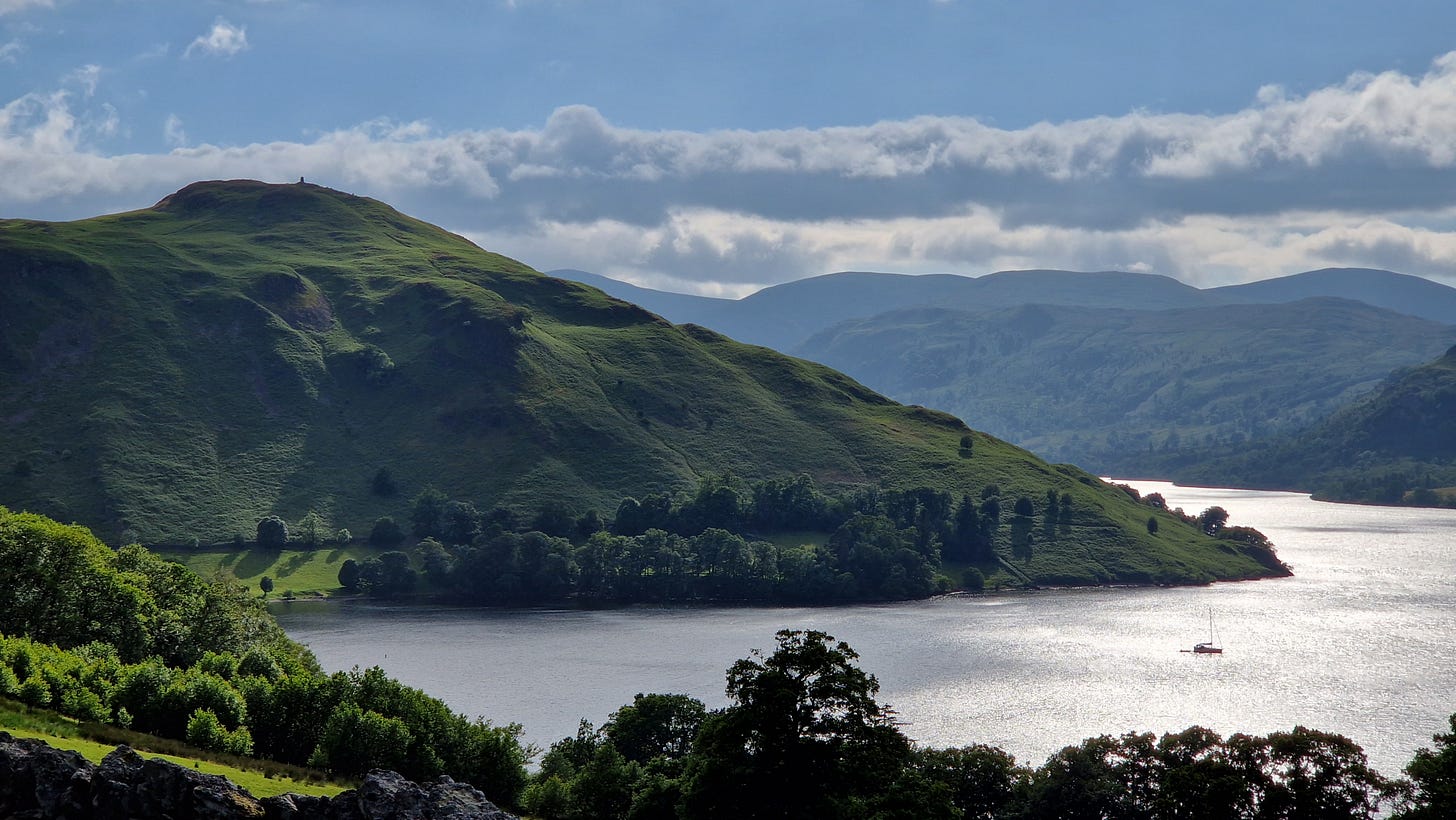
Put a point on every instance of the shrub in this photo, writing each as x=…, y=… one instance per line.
x=272, y=532
x=204, y=731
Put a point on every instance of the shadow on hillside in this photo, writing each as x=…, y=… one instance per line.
x=294, y=562
x=255, y=561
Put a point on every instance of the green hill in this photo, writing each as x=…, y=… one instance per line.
x=243, y=349
x=1115, y=390
x=1394, y=446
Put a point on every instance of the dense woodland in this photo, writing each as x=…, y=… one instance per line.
x=773, y=540
x=125, y=638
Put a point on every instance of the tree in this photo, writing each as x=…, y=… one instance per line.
x=982, y=780
x=355, y=740
x=1432, y=791
x=1152, y=524
x=655, y=726
x=803, y=738
x=554, y=519
x=383, y=483
x=1213, y=519
x=343, y=537
x=349, y=574
x=1023, y=507
x=459, y=522
x=272, y=532
x=385, y=532
x=266, y=584
x=387, y=575
x=427, y=517
x=968, y=445
x=312, y=529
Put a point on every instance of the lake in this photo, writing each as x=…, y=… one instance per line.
x=1361, y=641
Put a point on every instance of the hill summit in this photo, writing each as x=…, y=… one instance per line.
x=243, y=349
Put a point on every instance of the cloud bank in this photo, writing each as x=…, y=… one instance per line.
x=1360, y=173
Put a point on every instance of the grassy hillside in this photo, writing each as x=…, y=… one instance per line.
x=243, y=349
x=94, y=741
x=1112, y=390
x=1395, y=446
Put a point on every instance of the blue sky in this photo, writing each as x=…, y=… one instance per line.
x=717, y=147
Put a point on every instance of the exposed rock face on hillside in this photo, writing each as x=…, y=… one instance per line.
x=39, y=781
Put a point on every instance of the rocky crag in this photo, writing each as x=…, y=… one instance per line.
x=40, y=781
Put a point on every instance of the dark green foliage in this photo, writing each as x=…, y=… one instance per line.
x=654, y=726
x=804, y=728
x=555, y=520
x=65, y=587
x=1431, y=793
x=869, y=545
x=266, y=584
x=427, y=518
x=385, y=533
x=1298, y=774
x=383, y=484
x=349, y=574
x=272, y=532
x=387, y=575
x=1152, y=523
x=355, y=741
x=312, y=530
x=1213, y=519
x=147, y=644
x=981, y=781
x=459, y=523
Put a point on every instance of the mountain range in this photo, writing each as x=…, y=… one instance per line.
x=1107, y=370
x=785, y=316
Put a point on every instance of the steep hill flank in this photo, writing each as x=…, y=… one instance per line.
x=1394, y=446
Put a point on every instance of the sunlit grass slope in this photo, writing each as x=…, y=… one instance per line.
x=297, y=571
x=64, y=733
x=244, y=349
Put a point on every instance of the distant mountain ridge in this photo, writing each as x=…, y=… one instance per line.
x=785, y=316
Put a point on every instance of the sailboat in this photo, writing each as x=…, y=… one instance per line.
x=1210, y=646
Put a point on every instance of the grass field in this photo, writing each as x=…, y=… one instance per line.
x=64, y=733
x=301, y=572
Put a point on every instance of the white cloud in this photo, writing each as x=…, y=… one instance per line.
x=10, y=52
x=173, y=133
x=88, y=77
x=13, y=6
x=1363, y=172
x=223, y=40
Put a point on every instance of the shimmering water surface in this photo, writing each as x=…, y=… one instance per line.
x=1362, y=641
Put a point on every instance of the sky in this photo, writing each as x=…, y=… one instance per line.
x=719, y=147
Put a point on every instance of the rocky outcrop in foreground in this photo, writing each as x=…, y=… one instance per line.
x=40, y=781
